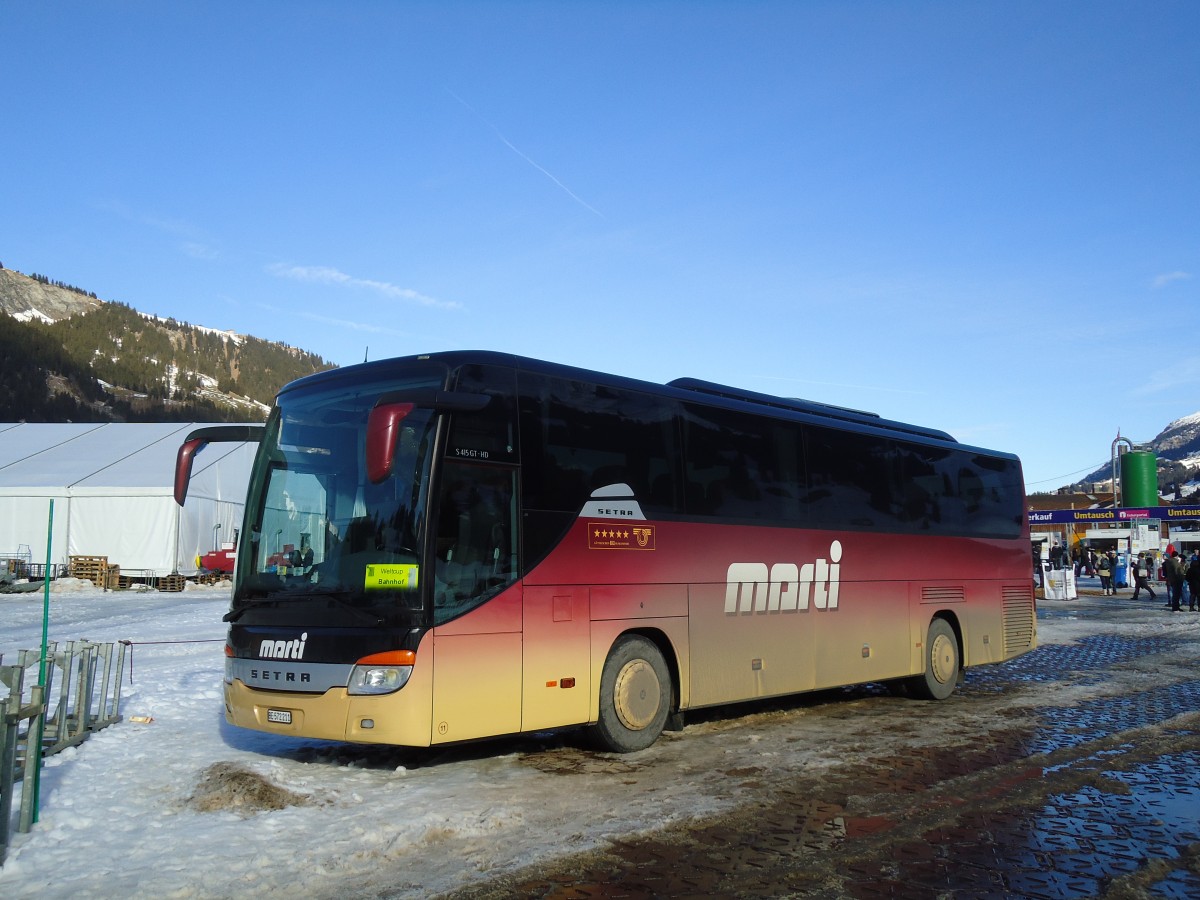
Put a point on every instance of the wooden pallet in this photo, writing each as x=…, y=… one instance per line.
x=171, y=583
x=93, y=568
x=129, y=582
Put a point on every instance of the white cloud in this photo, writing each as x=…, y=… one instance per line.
x=1161, y=281
x=891, y=389
x=199, y=251
x=1181, y=375
x=329, y=275
x=353, y=326
x=180, y=228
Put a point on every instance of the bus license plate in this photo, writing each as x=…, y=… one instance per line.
x=279, y=716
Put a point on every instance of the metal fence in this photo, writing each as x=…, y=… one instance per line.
x=23, y=567
x=16, y=562
x=81, y=695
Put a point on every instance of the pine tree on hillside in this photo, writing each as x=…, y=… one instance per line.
x=155, y=369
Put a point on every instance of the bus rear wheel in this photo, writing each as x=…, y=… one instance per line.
x=635, y=696
x=942, y=662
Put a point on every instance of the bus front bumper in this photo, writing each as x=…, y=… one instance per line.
x=332, y=716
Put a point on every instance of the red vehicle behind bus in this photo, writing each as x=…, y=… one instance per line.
x=463, y=545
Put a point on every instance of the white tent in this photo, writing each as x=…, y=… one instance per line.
x=112, y=486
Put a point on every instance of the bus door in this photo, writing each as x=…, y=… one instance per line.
x=476, y=604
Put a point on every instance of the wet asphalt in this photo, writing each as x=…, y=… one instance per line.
x=1098, y=798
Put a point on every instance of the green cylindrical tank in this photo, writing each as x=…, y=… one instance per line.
x=1139, y=478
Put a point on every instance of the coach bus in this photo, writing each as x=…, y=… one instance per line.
x=462, y=545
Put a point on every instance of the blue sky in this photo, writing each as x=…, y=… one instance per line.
x=978, y=216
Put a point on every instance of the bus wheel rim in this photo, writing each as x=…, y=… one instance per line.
x=942, y=659
x=636, y=694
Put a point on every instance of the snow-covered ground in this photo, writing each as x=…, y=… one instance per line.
x=180, y=806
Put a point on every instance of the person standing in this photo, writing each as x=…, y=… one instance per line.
x=1193, y=580
x=1173, y=568
x=1141, y=571
x=1104, y=570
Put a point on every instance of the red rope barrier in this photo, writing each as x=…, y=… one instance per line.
x=131, y=644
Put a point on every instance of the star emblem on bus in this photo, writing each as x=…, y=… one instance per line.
x=603, y=536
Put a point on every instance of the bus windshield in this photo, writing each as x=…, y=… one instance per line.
x=327, y=544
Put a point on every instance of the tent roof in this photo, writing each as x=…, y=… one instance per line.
x=92, y=456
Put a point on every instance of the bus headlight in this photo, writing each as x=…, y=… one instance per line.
x=381, y=673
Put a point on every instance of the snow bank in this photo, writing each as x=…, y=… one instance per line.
x=186, y=806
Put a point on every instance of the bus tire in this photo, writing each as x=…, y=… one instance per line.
x=635, y=696
x=942, y=662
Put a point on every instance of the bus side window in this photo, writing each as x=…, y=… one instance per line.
x=476, y=537
x=489, y=433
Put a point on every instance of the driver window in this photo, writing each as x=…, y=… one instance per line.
x=476, y=538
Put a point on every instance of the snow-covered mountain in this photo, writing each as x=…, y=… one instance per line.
x=1180, y=441
x=1177, y=447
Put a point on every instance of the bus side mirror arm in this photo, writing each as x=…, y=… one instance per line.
x=199, y=439
x=183, y=467
x=383, y=423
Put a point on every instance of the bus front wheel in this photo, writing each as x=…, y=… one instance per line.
x=942, y=662
x=635, y=696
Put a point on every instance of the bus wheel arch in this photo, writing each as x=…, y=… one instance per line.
x=943, y=654
x=637, y=693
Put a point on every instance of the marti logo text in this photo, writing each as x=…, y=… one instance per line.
x=784, y=587
x=283, y=649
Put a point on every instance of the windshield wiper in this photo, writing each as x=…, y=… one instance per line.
x=234, y=614
x=334, y=596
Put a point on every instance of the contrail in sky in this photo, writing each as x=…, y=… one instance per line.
x=511, y=146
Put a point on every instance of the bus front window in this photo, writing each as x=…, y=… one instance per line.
x=325, y=534
x=293, y=514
